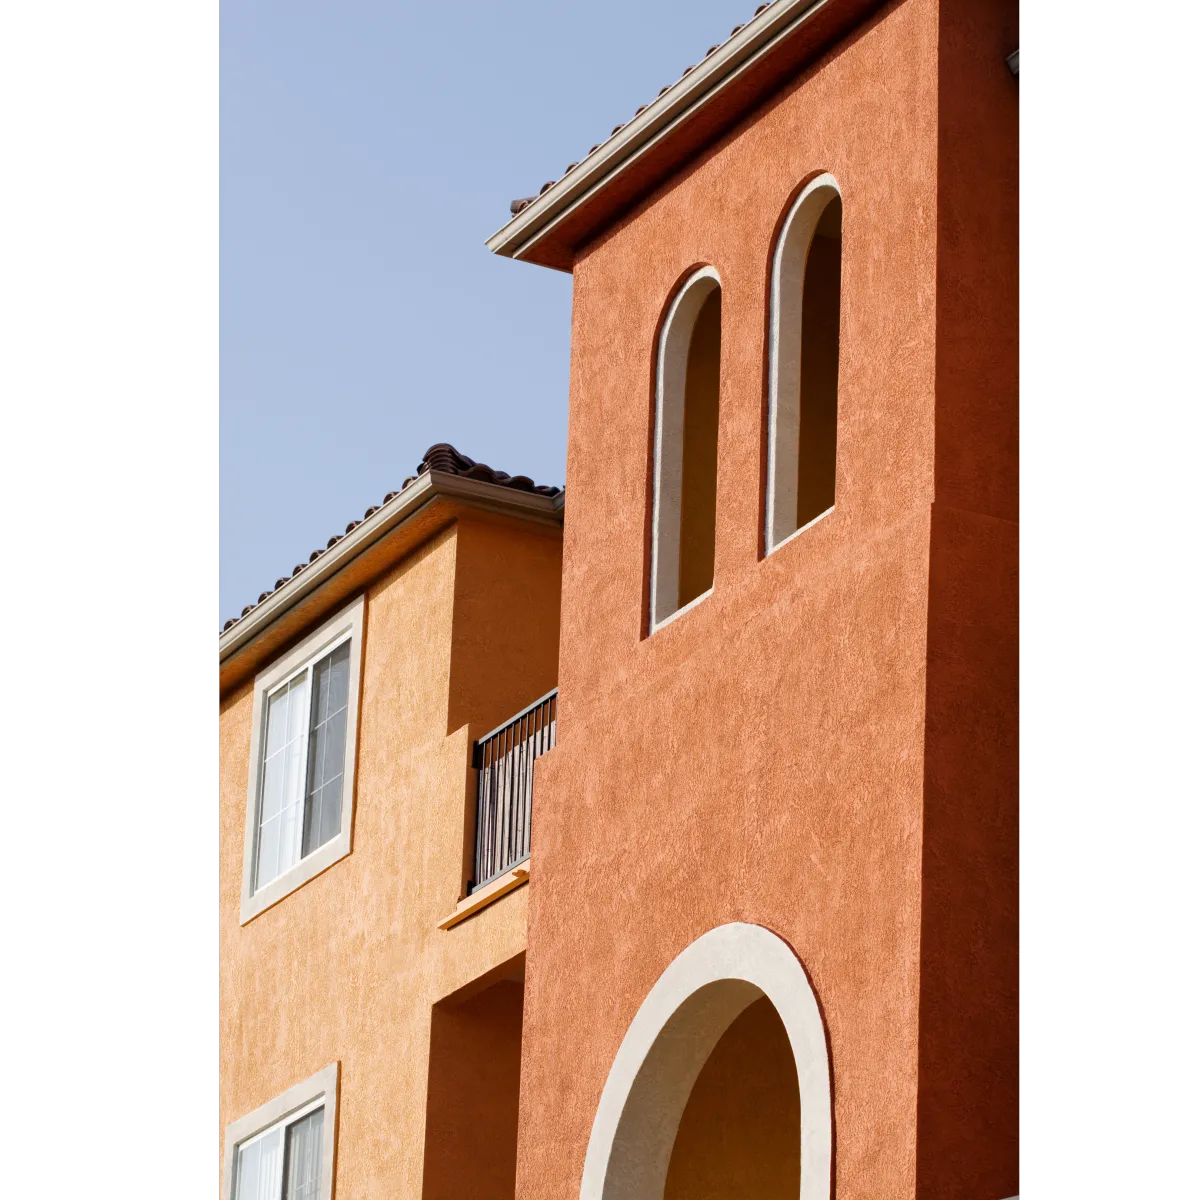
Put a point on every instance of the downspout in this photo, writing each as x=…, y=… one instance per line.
x=1017, y=65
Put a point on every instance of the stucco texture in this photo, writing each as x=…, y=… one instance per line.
x=968, y=1105
x=471, y=1115
x=349, y=966
x=766, y=757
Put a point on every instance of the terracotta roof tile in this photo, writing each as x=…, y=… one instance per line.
x=440, y=457
x=518, y=206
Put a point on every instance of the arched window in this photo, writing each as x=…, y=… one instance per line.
x=806, y=285
x=721, y=1084
x=685, y=448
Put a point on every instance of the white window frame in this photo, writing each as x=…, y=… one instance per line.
x=783, y=397
x=670, y=387
x=319, y=1090
x=347, y=625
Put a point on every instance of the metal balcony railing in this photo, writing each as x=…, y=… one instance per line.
x=504, y=796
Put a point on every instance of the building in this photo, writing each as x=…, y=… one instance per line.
x=429, y=622
x=770, y=930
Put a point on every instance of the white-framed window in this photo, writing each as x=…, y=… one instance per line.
x=686, y=420
x=804, y=351
x=284, y=1150
x=300, y=792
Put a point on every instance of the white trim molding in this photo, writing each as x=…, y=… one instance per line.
x=783, y=397
x=346, y=625
x=683, y=1017
x=670, y=386
x=323, y=1087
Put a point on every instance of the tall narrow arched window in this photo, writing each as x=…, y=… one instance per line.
x=806, y=285
x=685, y=448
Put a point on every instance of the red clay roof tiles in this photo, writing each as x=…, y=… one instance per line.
x=518, y=205
x=440, y=457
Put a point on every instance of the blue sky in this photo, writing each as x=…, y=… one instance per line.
x=367, y=150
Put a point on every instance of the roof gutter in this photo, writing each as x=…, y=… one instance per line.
x=724, y=67
x=423, y=491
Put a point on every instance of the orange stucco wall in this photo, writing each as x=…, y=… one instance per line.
x=471, y=1114
x=506, y=614
x=967, y=1118
x=766, y=757
x=349, y=966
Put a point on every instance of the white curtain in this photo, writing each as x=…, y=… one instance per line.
x=284, y=1164
x=258, y=1168
x=282, y=808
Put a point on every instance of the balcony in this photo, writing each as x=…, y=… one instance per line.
x=504, y=795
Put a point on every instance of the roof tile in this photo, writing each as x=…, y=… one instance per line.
x=441, y=457
x=518, y=206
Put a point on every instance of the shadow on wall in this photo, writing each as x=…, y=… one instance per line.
x=738, y=1133
x=474, y=1087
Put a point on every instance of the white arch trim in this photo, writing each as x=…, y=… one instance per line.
x=668, y=1042
x=783, y=395
x=673, y=344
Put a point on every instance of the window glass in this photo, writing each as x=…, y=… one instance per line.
x=282, y=779
x=327, y=749
x=258, y=1168
x=303, y=1169
x=284, y=1163
x=300, y=805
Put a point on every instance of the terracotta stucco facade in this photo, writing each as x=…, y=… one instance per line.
x=459, y=634
x=826, y=745
x=823, y=746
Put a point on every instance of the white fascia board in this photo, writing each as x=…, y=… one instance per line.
x=400, y=508
x=679, y=101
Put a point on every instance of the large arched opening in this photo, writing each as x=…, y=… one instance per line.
x=721, y=1085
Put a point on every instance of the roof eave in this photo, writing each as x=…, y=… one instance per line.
x=424, y=490
x=530, y=234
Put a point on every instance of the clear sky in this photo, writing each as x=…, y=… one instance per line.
x=367, y=150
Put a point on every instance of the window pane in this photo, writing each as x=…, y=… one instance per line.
x=277, y=707
x=339, y=675
x=272, y=791
x=327, y=748
x=303, y=1167
x=247, y=1172
x=327, y=813
x=293, y=771
x=289, y=837
x=320, y=705
x=258, y=1168
x=335, y=748
x=268, y=852
x=282, y=796
x=297, y=696
x=316, y=756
